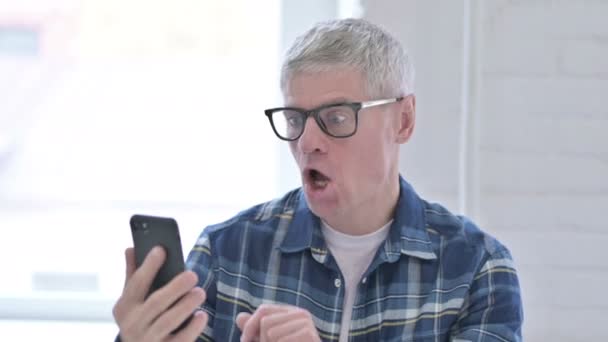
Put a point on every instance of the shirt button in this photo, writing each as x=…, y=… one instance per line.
x=338, y=282
x=364, y=280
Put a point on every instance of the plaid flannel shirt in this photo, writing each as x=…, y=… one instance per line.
x=437, y=276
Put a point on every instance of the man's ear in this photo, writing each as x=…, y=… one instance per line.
x=407, y=118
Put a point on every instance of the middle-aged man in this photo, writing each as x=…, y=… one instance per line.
x=354, y=254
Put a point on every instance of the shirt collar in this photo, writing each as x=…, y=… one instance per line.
x=408, y=234
x=304, y=232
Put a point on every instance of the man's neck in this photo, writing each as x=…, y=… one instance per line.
x=370, y=215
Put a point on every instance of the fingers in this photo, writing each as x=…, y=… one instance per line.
x=130, y=262
x=163, y=298
x=194, y=328
x=275, y=326
x=178, y=313
x=241, y=320
x=303, y=334
x=272, y=323
x=139, y=284
x=161, y=313
x=155, y=317
x=251, y=330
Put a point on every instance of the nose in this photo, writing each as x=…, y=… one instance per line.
x=313, y=139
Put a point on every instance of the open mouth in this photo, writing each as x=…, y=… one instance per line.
x=317, y=179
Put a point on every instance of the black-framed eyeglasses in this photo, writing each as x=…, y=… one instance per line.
x=338, y=120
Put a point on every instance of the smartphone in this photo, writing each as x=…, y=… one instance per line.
x=151, y=231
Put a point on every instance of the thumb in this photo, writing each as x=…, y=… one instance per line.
x=241, y=320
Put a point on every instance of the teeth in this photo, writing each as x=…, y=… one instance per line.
x=320, y=183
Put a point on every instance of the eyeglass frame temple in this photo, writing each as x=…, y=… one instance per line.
x=374, y=103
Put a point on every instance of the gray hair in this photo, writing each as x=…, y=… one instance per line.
x=357, y=44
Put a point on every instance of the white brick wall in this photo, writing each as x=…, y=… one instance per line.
x=545, y=18
x=544, y=157
x=545, y=213
x=432, y=166
x=585, y=57
x=553, y=97
x=543, y=142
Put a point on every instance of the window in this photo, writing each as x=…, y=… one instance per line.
x=112, y=108
x=116, y=108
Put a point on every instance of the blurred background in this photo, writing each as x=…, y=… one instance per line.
x=109, y=108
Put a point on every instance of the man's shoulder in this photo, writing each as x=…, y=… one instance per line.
x=262, y=218
x=460, y=230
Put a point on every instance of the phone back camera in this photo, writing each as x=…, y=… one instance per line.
x=141, y=225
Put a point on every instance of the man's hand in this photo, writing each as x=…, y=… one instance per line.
x=154, y=318
x=272, y=323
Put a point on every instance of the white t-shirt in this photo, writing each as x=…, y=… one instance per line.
x=354, y=254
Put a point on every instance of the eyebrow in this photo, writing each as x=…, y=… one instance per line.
x=338, y=100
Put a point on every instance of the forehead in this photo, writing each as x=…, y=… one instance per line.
x=309, y=90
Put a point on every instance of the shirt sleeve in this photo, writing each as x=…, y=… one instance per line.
x=201, y=261
x=493, y=309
